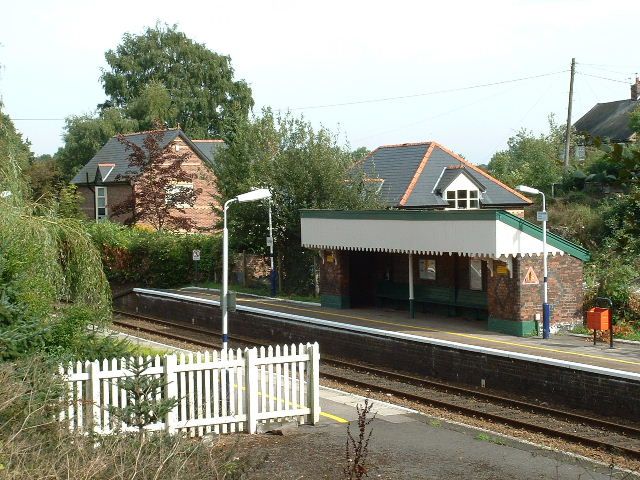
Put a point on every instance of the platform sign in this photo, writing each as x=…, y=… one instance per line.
x=531, y=278
x=502, y=270
x=269, y=241
x=196, y=255
x=542, y=216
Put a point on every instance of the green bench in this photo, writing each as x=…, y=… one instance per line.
x=399, y=292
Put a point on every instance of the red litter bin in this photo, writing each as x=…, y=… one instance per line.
x=599, y=318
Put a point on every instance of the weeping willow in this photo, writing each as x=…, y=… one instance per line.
x=48, y=264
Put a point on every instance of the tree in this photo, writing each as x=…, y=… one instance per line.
x=156, y=173
x=204, y=97
x=44, y=176
x=86, y=134
x=529, y=159
x=304, y=168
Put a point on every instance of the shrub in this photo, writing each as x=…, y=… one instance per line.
x=154, y=258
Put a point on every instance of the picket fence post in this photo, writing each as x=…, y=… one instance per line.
x=171, y=391
x=93, y=369
x=251, y=388
x=313, y=382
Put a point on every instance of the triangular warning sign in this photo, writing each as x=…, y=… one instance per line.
x=531, y=278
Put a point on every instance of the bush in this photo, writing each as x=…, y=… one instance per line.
x=156, y=259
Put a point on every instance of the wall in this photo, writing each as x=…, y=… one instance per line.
x=334, y=279
x=116, y=193
x=558, y=386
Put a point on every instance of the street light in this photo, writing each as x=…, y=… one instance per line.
x=251, y=196
x=542, y=216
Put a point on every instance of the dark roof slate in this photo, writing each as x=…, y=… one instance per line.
x=608, y=120
x=450, y=174
x=397, y=165
x=114, y=152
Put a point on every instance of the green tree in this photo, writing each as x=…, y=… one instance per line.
x=86, y=134
x=44, y=177
x=634, y=121
x=204, y=97
x=529, y=159
x=154, y=106
x=303, y=168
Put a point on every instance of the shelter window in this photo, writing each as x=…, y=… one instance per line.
x=427, y=268
x=101, y=203
x=475, y=274
x=463, y=199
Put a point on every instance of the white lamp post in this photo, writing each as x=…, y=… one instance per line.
x=251, y=196
x=542, y=216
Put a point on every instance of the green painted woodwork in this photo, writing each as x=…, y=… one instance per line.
x=471, y=298
x=512, y=327
x=433, y=215
x=335, y=301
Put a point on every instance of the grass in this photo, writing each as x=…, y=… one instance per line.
x=262, y=290
x=485, y=437
x=623, y=331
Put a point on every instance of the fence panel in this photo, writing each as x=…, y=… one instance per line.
x=223, y=392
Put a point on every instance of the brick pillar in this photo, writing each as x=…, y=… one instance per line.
x=334, y=279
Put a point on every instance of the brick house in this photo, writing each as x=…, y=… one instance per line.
x=103, y=181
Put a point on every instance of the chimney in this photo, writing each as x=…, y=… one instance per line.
x=635, y=89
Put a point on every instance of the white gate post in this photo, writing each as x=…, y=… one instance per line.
x=94, y=394
x=251, y=388
x=170, y=391
x=313, y=382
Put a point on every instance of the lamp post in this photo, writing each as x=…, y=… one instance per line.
x=273, y=270
x=542, y=216
x=252, y=196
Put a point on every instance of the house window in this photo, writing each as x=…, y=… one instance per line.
x=463, y=199
x=178, y=189
x=475, y=274
x=101, y=203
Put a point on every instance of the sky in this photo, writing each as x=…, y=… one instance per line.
x=343, y=64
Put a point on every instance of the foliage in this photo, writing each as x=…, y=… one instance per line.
x=69, y=201
x=303, y=168
x=44, y=177
x=634, y=120
x=34, y=445
x=156, y=170
x=84, y=135
x=46, y=263
x=357, y=449
x=205, y=99
x=530, y=160
x=157, y=259
x=144, y=404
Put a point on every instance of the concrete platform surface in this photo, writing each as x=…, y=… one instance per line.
x=625, y=356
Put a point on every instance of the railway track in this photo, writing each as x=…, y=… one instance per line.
x=593, y=432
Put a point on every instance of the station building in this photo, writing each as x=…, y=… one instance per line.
x=453, y=242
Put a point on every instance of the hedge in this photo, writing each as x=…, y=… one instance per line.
x=132, y=255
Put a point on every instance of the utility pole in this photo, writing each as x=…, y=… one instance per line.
x=567, y=138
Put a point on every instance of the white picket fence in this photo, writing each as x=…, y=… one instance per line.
x=217, y=392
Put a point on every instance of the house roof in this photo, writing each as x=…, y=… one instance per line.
x=486, y=233
x=449, y=174
x=411, y=171
x=608, y=120
x=115, y=154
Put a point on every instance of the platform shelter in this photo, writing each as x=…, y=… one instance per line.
x=485, y=264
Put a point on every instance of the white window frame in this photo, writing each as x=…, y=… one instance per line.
x=475, y=265
x=462, y=199
x=106, y=208
x=179, y=185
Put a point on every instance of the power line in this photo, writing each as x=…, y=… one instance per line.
x=435, y=92
x=602, y=78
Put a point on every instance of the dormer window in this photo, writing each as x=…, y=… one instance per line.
x=463, y=199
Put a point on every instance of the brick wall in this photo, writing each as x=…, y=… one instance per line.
x=503, y=292
x=334, y=273
x=565, y=289
x=116, y=193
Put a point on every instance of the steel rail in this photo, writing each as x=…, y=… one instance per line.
x=423, y=383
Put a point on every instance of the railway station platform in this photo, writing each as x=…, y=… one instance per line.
x=624, y=357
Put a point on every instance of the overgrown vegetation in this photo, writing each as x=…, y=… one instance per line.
x=33, y=444
x=151, y=258
x=357, y=448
